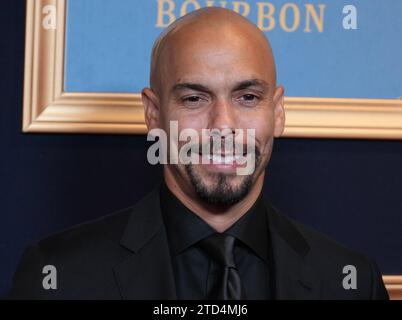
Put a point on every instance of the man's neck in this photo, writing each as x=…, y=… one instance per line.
x=219, y=218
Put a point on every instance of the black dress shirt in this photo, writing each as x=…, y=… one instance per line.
x=190, y=264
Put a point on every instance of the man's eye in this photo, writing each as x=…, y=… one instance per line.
x=249, y=100
x=192, y=99
x=249, y=97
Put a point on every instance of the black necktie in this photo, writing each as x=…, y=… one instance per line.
x=226, y=283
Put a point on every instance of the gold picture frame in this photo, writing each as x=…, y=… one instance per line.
x=48, y=108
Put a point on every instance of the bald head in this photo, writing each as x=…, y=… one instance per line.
x=213, y=69
x=205, y=26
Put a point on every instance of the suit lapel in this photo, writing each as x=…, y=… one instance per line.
x=294, y=278
x=147, y=272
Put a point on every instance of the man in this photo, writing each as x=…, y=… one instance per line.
x=206, y=232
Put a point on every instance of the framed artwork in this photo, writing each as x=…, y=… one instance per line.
x=87, y=60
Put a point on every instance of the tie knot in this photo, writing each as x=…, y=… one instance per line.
x=219, y=247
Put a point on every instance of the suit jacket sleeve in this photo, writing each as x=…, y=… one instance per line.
x=378, y=292
x=27, y=281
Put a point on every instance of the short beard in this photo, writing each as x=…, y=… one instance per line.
x=223, y=194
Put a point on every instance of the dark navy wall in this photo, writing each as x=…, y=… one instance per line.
x=349, y=189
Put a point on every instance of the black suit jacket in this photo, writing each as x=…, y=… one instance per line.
x=126, y=256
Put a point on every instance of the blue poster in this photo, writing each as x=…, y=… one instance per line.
x=323, y=48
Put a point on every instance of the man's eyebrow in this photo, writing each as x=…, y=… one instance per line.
x=239, y=86
x=191, y=86
x=251, y=83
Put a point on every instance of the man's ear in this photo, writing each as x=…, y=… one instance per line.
x=151, y=108
x=279, y=111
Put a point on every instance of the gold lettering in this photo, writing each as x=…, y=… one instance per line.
x=184, y=7
x=296, y=18
x=289, y=13
x=211, y=3
x=264, y=15
x=165, y=13
x=319, y=21
x=241, y=4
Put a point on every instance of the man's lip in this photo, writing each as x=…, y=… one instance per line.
x=223, y=161
x=223, y=155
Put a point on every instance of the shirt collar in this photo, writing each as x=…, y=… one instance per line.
x=184, y=228
x=252, y=229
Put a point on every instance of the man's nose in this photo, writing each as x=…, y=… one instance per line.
x=222, y=116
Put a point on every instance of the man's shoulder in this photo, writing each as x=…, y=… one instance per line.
x=328, y=259
x=83, y=256
x=310, y=241
x=340, y=266
x=327, y=247
x=104, y=231
x=101, y=231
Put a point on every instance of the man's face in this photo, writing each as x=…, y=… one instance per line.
x=220, y=82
